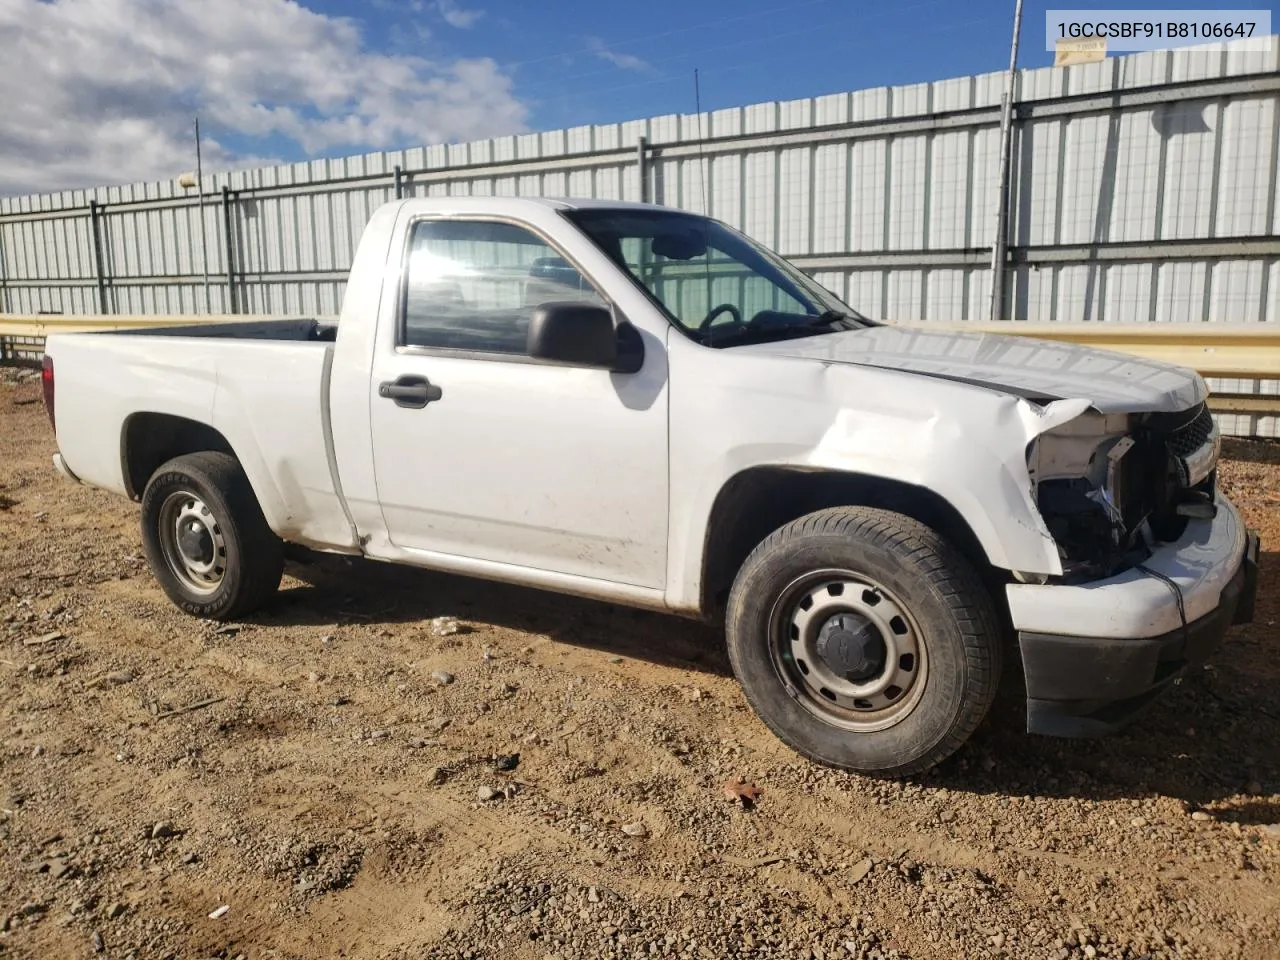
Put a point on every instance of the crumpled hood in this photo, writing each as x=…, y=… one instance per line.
x=1036, y=369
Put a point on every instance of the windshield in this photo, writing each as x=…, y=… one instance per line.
x=719, y=287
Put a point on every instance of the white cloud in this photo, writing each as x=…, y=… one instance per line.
x=103, y=91
x=456, y=16
x=623, y=61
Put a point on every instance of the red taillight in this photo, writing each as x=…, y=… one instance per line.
x=46, y=381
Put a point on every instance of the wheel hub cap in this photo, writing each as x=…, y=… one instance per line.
x=192, y=542
x=851, y=646
x=195, y=542
x=848, y=650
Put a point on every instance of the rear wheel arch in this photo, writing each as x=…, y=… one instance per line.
x=757, y=501
x=149, y=440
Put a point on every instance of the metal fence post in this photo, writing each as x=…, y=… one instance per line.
x=95, y=227
x=4, y=268
x=227, y=200
x=642, y=168
x=399, y=182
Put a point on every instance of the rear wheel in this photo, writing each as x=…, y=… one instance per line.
x=206, y=539
x=864, y=640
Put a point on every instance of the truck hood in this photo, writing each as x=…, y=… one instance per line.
x=1038, y=370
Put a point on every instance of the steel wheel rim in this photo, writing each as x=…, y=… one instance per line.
x=830, y=600
x=192, y=542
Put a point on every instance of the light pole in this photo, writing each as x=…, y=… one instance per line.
x=187, y=181
x=1000, y=248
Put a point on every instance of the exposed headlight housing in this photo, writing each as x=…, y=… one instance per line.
x=1078, y=472
x=1108, y=486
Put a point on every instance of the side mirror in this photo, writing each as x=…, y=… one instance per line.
x=579, y=333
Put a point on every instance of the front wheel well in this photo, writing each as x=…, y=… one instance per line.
x=760, y=500
x=149, y=440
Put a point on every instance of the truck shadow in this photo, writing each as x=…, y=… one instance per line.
x=1210, y=738
x=341, y=589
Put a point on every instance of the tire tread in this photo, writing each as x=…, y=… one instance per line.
x=261, y=552
x=949, y=575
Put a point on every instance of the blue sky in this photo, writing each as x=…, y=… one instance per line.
x=746, y=51
x=103, y=91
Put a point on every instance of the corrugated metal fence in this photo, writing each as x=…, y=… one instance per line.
x=1145, y=189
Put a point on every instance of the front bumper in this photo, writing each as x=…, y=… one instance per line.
x=1088, y=682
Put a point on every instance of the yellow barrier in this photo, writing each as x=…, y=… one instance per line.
x=1245, y=350
x=41, y=325
x=1248, y=351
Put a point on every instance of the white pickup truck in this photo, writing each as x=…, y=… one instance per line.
x=643, y=406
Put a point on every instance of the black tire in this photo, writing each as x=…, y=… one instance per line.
x=246, y=556
x=933, y=593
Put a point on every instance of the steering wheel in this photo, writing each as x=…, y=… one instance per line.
x=716, y=311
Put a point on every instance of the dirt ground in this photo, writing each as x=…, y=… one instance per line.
x=325, y=786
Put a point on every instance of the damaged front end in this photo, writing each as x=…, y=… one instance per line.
x=1109, y=487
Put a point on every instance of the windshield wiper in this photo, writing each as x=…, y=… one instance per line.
x=833, y=316
x=763, y=333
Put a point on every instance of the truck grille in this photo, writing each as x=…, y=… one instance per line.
x=1193, y=435
x=1180, y=454
x=1194, y=447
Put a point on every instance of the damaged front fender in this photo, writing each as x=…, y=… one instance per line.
x=970, y=449
x=965, y=443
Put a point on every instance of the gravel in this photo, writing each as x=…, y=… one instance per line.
x=281, y=802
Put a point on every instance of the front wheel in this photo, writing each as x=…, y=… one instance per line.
x=206, y=539
x=864, y=640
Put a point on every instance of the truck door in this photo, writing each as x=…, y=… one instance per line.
x=485, y=453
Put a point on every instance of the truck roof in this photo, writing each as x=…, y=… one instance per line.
x=509, y=204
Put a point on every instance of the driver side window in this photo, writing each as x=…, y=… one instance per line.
x=474, y=284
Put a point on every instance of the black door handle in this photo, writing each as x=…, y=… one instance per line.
x=408, y=391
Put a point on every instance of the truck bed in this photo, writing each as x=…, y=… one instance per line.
x=306, y=330
x=262, y=385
